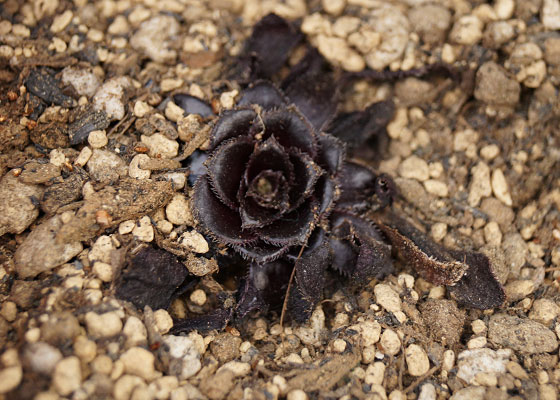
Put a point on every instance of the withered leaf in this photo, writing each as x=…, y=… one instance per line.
x=152, y=278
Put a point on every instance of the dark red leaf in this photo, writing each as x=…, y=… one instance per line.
x=291, y=130
x=233, y=123
x=269, y=155
x=331, y=153
x=262, y=252
x=306, y=174
x=263, y=93
x=193, y=105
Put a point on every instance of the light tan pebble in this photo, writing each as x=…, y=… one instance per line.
x=437, y=292
x=173, y=112
x=399, y=123
x=480, y=184
x=10, y=378
x=390, y=342
x=316, y=24
x=198, y=297
x=296, y=394
x=10, y=358
x=126, y=226
x=163, y=320
x=448, y=360
x=436, y=187
x=333, y=7
x=365, y=40
x=488, y=379
x=5, y=27
x=485, y=13
x=463, y=139
x=67, y=376
x=500, y=187
x=119, y=26
x=370, y=332
x=281, y=383
x=134, y=170
x=194, y=241
x=164, y=226
x=339, y=53
x=438, y=231
x=103, y=325
x=178, y=179
x=101, y=249
x=397, y=395
x=542, y=377
x=466, y=30
x=83, y=157
x=228, y=99
x=405, y=281
x=550, y=14
x=142, y=393
x=436, y=170
x=125, y=386
x=47, y=395
x=178, y=211
x=489, y=152
x=478, y=327
x=340, y=319
x=516, y=370
x=245, y=346
x=493, y=234
x=6, y=51
x=9, y=311
x=144, y=231
x=548, y=392
x=504, y=8
x=387, y=298
x=170, y=84
x=135, y=332
x=416, y=360
x=375, y=373
x=33, y=335
x=477, y=342
x=162, y=387
x=519, y=289
x=414, y=168
x=61, y=21
x=238, y=368
x=85, y=349
x=427, y=392
x=57, y=157
x=160, y=146
x=140, y=362
x=368, y=354
x=97, y=139
x=141, y=108
x=345, y=25
x=339, y=345
x=400, y=316
x=95, y=35
x=102, y=364
x=179, y=393
x=293, y=358
x=544, y=311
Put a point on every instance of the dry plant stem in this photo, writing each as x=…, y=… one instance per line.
x=285, y=303
x=421, y=379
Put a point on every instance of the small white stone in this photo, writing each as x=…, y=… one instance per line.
x=464, y=139
x=123, y=388
x=85, y=349
x=144, y=231
x=178, y=211
x=414, y=168
x=316, y=24
x=169, y=84
x=438, y=231
x=10, y=378
x=416, y=360
x=97, y=139
x=42, y=357
x=504, y=8
x=194, y=241
x=387, y=298
x=333, y=7
x=163, y=320
x=178, y=179
x=436, y=187
x=126, y=226
x=500, y=187
x=173, y=112
x=164, y=226
x=198, y=297
x=448, y=360
x=102, y=364
x=101, y=249
x=95, y=35
x=141, y=108
x=493, y=234
x=227, y=99
x=466, y=30
x=489, y=152
x=390, y=342
x=140, y=362
x=480, y=184
x=339, y=345
x=103, y=271
x=83, y=157
x=109, y=97
x=398, y=124
x=61, y=21
x=478, y=327
x=162, y=387
x=103, y=325
x=67, y=376
x=550, y=14
x=134, y=170
x=296, y=394
x=160, y=146
x=477, y=342
x=427, y=392
x=238, y=368
x=375, y=373
x=135, y=332
x=544, y=311
x=119, y=26
x=339, y=53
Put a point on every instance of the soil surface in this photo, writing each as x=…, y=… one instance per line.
x=94, y=157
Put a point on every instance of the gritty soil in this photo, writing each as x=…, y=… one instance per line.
x=94, y=156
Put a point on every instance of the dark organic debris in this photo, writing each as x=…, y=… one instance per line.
x=152, y=278
x=44, y=85
x=89, y=120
